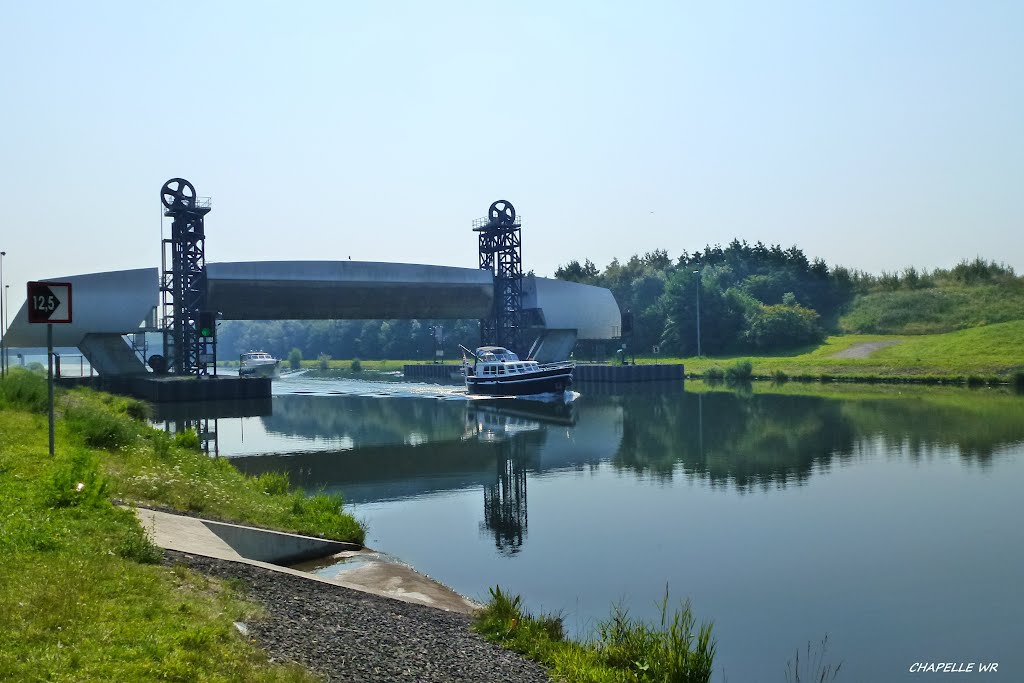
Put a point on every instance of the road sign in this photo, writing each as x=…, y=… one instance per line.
x=49, y=302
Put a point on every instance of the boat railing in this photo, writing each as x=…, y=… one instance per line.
x=558, y=365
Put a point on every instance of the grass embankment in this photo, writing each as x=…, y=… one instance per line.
x=81, y=595
x=936, y=309
x=625, y=649
x=992, y=353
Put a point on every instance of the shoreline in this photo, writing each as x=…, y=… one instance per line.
x=343, y=634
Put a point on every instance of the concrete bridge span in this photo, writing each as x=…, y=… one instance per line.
x=346, y=290
x=108, y=305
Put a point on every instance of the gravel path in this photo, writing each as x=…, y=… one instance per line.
x=864, y=349
x=350, y=636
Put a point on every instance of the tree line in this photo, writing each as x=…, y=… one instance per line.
x=752, y=298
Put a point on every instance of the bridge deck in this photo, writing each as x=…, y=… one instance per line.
x=346, y=290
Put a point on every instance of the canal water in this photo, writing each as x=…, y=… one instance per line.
x=887, y=519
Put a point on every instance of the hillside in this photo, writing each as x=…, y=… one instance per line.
x=935, y=309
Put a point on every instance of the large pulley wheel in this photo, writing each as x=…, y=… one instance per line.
x=178, y=193
x=502, y=212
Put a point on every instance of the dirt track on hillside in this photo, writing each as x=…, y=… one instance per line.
x=865, y=349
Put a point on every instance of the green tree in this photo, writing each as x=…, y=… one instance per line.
x=770, y=328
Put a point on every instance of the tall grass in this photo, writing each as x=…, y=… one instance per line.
x=24, y=390
x=675, y=649
x=740, y=371
x=102, y=429
x=813, y=668
x=75, y=481
x=714, y=374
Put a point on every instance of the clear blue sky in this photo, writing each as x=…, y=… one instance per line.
x=872, y=134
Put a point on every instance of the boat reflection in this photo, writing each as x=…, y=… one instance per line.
x=500, y=419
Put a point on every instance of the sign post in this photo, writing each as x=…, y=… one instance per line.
x=49, y=378
x=49, y=303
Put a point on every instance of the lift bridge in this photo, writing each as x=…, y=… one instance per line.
x=183, y=299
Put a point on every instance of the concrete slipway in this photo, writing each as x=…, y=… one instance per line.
x=371, y=572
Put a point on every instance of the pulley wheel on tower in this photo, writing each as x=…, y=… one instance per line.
x=502, y=212
x=178, y=193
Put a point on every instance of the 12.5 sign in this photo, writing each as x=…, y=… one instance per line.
x=49, y=302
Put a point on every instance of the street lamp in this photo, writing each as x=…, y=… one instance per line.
x=6, y=312
x=3, y=317
x=697, y=273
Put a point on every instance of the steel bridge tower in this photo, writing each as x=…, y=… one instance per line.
x=501, y=253
x=189, y=330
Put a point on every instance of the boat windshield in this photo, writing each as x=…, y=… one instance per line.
x=496, y=354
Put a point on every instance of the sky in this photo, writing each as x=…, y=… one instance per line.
x=873, y=134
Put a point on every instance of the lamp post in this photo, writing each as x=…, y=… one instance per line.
x=7, y=312
x=697, y=273
x=3, y=317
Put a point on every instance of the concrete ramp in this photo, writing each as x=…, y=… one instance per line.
x=553, y=346
x=361, y=569
x=110, y=354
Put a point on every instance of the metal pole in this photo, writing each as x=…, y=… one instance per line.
x=3, y=316
x=49, y=377
x=697, y=273
x=7, y=312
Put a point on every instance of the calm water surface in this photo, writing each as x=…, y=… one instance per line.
x=888, y=519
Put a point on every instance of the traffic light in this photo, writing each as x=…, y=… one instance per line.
x=207, y=324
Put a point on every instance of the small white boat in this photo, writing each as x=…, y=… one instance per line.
x=496, y=371
x=258, y=364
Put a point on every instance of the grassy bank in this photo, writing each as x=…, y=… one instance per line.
x=676, y=649
x=935, y=309
x=992, y=352
x=81, y=595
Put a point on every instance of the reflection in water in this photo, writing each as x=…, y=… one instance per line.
x=202, y=418
x=883, y=516
x=505, y=506
x=519, y=427
x=730, y=439
x=387, y=448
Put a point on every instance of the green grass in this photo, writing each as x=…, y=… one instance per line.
x=935, y=310
x=625, y=649
x=82, y=596
x=992, y=353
